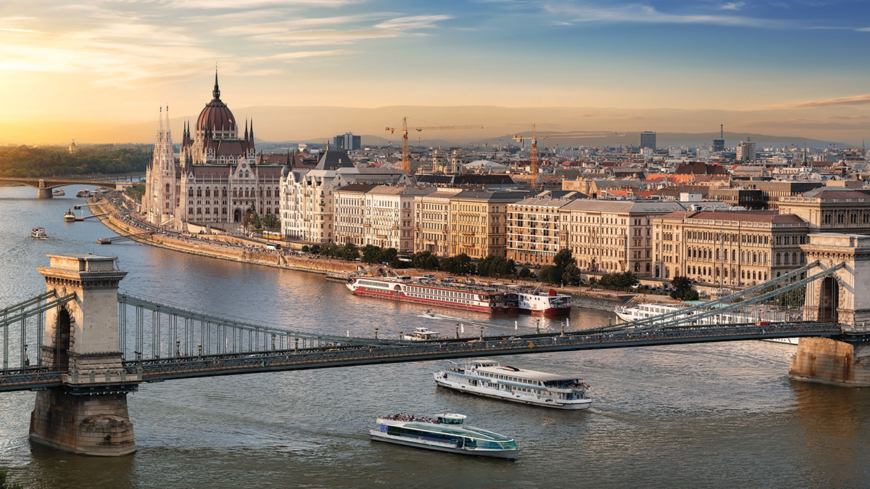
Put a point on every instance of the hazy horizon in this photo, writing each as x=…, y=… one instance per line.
x=98, y=71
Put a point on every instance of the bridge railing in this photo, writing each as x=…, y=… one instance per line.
x=29, y=316
x=173, y=332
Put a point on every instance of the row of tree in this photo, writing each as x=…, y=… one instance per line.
x=43, y=162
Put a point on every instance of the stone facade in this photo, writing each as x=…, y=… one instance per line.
x=478, y=222
x=533, y=230
x=432, y=222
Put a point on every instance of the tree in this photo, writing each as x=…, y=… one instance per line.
x=349, y=252
x=683, y=289
x=526, y=273
x=254, y=221
x=571, y=275
x=563, y=258
x=372, y=254
x=305, y=249
x=619, y=281
x=425, y=260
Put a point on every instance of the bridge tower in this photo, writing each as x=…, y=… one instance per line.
x=42, y=192
x=842, y=298
x=88, y=414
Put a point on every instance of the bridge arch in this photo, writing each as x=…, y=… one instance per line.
x=829, y=300
x=62, y=341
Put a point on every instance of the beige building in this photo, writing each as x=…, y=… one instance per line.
x=730, y=249
x=478, y=224
x=350, y=213
x=389, y=216
x=832, y=209
x=432, y=222
x=533, y=230
x=612, y=236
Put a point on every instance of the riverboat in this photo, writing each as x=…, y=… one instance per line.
x=635, y=311
x=487, y=378
x=446, y=433
x=544, y=303
x=422, y=334
x=58, y=193
x=84, y=193
x=69, y=216
x=438, y=293
x=38, y=233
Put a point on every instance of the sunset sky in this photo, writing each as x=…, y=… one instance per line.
x=787, y=68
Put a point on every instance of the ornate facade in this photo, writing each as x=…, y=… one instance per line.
x=215, y=179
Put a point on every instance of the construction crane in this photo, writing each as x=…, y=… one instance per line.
x=533, y=152
x=406, y=160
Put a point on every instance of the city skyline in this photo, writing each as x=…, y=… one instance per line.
x=759, y=67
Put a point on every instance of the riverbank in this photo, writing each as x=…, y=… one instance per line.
x=230, y=248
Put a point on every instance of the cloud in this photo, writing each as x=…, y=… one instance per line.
x=398, y=26
x=831, y=102
x=637, y=13
x=733, y=6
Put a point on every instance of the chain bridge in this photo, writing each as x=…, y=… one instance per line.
x=83, y=346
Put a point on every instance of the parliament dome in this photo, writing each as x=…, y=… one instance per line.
x=216, y=115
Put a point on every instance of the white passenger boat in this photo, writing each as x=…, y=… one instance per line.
x=487, y=378
x=58, y=193
x=69, y=216
x=635, y=311
x=544, y=303
x=421, y=334
x=38, y=233
x=84, y=193
x=446, y=433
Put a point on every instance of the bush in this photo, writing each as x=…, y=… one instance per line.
x=683, y=289
x=620, y=281
x=526, y=273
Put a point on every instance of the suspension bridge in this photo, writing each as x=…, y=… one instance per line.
x=91, y=345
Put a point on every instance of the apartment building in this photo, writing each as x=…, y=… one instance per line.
x=432, y=222
x=533, y=230
x=611, y=237
x=350, y=213
x=389, y=216
x=478, y=224
x=730, y=249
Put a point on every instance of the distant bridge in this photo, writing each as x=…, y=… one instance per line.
x=44, y=186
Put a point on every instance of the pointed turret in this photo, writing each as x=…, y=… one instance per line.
x=216, y=93
x=246, y=129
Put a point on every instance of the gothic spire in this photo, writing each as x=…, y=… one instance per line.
x=246, y=129
x=216, y=93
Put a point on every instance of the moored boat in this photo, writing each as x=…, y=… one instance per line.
x=548, y=303
x=445, y=433
x=69, y=216
x=487, y=378
x=635, y=311
x=38, y=233
x=84, y=193
x=421, y=334
x=58, y=193
x=436, y=293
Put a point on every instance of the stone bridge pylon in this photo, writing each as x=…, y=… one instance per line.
x=841, y=298
x=88, y=413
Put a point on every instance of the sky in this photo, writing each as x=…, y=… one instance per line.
x=100, y=69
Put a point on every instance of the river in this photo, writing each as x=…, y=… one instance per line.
x=709, y=415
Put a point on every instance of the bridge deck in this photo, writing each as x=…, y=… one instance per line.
x=158, y=370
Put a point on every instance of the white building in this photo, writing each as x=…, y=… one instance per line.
x=432, y=222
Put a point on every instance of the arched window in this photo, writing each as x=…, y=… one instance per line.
x=167, y=188
x=190, y=192
x=794, y=257
x=208, y=192
x=785, y=258
x=199, y=191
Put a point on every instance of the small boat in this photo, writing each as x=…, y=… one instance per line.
x=84, y=193
x=488, y=379
x=69, y=216
x=422, y=334
x=38, y=233
x=446, y=433
x=77, y=207
x=58, y=193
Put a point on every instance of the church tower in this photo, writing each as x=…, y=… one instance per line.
x=162, y=195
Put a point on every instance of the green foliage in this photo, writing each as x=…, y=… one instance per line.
x=306, y=249
x=459, y=265
x=496, y=266
x=571, y=275
x=254, y=221
x=136, y=191
x=526, y=273
x=372, y=254
x=28, y=161
x=425, y=260
x=619, y=281
x=683, y=289
x=4, y=483
x=271, y=222
x=563, y=270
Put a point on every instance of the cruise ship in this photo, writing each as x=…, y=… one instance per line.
x=446, y=433
x=635, y=311
x=487, y=378
x=436, y=293
x=544, y=303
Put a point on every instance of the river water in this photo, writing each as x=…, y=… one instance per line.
x=709, y=415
